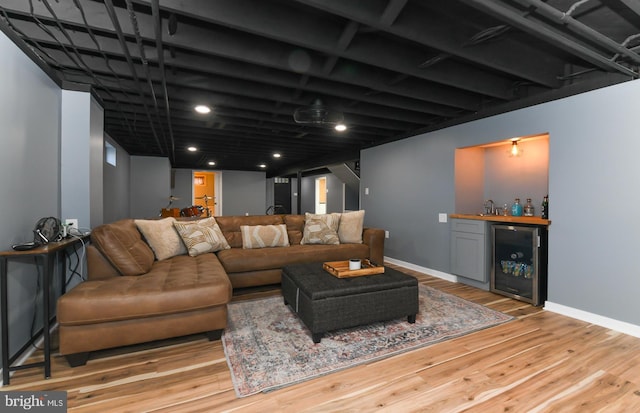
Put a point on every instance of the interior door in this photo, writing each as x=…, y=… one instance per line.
x=204, y=191
x=321, y=195
x=282, y=196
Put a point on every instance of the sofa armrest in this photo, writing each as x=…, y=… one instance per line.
x=374, y=238
x=98, y=267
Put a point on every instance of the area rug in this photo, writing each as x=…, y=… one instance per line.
x=268, y=347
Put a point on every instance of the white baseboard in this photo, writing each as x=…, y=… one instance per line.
x=610, y=323
x=435, y=273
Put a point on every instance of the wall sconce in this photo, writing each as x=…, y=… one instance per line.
x=515, y=150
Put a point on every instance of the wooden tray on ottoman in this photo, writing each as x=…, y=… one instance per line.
x=341, y=269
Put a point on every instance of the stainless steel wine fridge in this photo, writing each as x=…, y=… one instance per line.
x=519, y=263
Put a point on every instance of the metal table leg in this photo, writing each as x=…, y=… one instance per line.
x=5, y=321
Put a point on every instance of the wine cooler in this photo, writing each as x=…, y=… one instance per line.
x=519, y=263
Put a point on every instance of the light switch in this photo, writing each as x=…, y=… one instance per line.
x=366, y=191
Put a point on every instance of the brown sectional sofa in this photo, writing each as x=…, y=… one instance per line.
x=181, y=295
x=253, y=267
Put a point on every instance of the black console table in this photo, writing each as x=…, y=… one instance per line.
x=47, y=254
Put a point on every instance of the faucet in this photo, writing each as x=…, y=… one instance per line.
x=489, y=207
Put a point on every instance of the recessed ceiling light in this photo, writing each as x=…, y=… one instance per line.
x=262, y=165
x=276, y=155
x=192, y=149
x=340, y=127
x=211, y=163
x=204, y=109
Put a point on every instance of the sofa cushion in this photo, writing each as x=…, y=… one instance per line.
x=321, y=229
x=179, y=284
x=295, y=228
x=350, y=227
x=201, y=236
x=162, y=237
x=230, y=225
x=241, y=260
x=122, y=244
x=264, y=236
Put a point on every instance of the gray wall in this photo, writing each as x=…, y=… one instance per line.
x=183, y=188
x=335, y=195
x=294, y=195
x=96, y=167
x=116, y=185
x=593, y=163
x=150, y=184
x=82, y=156
x=75, y=160
x=30, y=112
x=308, y=194
x=351, y=199
x=243, y=193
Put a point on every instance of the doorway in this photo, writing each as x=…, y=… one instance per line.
x=281, y=196
x=204, y=192
x=321, y=195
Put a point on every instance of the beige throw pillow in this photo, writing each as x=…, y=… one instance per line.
x=202, y=236
x=264, y=236
x=162, y=237
x=351, y=226
x=321, y=229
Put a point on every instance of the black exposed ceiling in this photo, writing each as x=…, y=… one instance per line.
x=395, y=68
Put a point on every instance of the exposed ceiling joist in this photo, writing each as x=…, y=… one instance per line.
x=394, y=68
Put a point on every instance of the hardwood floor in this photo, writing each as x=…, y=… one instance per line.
x=542, y=362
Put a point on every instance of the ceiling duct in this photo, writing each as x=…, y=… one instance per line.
x=317, y=114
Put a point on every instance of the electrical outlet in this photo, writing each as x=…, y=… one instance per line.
x=442, y=217
x=71, y=223
x=386, y=234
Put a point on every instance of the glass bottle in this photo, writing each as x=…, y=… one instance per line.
x=516, y=208
x=528, y=208
x=545, y=207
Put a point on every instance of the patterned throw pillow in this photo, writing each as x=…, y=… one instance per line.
x=202, y=236
x=264, y=236
x=162, y=237
x=351, y=225
x=321, y=229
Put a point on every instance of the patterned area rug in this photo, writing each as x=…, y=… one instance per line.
x=268, y=347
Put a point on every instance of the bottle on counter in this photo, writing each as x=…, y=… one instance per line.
x=516, y=208
x=545, y=207
x=528, y=208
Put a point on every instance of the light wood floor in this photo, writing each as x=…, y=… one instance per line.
x=542, y=362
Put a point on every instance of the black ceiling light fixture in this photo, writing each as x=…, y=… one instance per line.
x=317, y=114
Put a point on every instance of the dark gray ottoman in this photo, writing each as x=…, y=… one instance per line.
x=324, y=302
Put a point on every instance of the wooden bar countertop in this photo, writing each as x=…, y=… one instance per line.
x=502, y=218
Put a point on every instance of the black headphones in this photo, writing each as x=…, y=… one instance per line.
x=47, y=230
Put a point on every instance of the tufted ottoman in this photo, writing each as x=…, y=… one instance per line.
x=325, y=303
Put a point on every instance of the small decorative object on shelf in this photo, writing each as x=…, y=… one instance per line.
x=516, y=208
x=545, y=207
x=528, y=208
